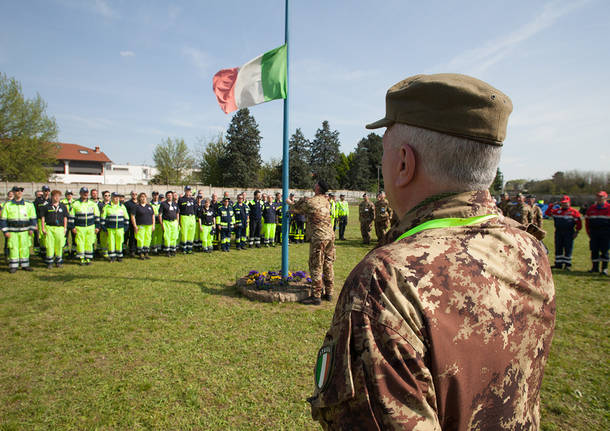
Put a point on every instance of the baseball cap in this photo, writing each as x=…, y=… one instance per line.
x=115, y=195
x=187, y=188
x=46, y=189
x=84, y=190
x=565, y=199
x=17, y=189
x=602, y=194
x=449, y=103
x=69, y=192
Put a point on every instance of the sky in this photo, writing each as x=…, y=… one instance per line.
x=126, y=74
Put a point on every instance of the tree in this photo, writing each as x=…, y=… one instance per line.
x=26, y=134
x=173, y=162
x=344, y=168
x=241, y=162
x=208, y=161
x=497, y=185
x=325, y=154
x=270, y=174
x=365, y=163
x=300, y=170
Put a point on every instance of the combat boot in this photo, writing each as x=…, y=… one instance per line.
x=327, y=297
x=311, y=300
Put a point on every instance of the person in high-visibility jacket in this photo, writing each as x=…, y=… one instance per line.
x=102, y=236
x=342, y=215
x=115, y=221
x=70, y=244
x=225, y=219
x=9, y=197
x=256, y=217
x=333, y=210
x=168, y=215
x=143, y=223
x=206, y=219
x=197, y=242
x=269, y=220
x=157, y=238
x=18, y=223
x=54, y=225
x=242, y=211
x=85, y=223
x=40, y=203
x=187, y=208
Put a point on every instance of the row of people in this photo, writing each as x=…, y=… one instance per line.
x=167, y=223
x=568, y=224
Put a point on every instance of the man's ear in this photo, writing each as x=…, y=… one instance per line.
x=406, y=170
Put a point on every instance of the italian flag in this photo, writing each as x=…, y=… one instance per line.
x=259, y=80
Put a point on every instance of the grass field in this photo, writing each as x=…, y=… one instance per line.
x=169, y=344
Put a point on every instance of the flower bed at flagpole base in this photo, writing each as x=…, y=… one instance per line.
x=269, y=286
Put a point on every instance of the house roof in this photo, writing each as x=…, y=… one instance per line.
x=78, y=152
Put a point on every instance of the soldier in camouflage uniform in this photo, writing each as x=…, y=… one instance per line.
x=366, y=211
x=383, y=215
x=505, y=203
x=520, y=211
x=447, y=327
x=535, y=210
x=322, y=242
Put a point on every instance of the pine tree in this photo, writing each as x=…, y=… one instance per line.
x=241, y=162
x=498, y=183
x=208, y=159
x=325, y=154
x=365, y=163
x=300, y=171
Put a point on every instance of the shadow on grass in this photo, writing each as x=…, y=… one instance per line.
x=215, y=288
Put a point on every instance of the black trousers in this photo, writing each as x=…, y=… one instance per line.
x=255, y=232
x=342, y=226
x=599, y=243
x=564, y=243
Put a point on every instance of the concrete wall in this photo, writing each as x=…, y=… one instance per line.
x=30, y=188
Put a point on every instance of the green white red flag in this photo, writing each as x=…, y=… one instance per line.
x=259, y=80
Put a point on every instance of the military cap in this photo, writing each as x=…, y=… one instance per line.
x=45, y=188
x=449, y=103
x=17, y=189
x=332, y=195
x=84, y=190
x=323, y=186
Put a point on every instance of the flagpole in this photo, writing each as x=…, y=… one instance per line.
x=285, y=158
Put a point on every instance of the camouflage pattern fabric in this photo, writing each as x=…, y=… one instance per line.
x=322, y=242
x=383, y=215
x=319, y=222
x=366, y=212
x=321, y=258
x=446, y=329
x=536, y=215
x=505, y=206
x=521, y=213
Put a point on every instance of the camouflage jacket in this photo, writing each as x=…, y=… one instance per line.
x=449, y=328
x=504, y=207
x=319, y=222
x=383, y=212
x=521, y=213
x=366, y=211
x=536, y=215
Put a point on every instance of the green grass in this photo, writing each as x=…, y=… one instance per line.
x=147, y=345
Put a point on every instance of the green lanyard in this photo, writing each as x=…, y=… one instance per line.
x=446, y=222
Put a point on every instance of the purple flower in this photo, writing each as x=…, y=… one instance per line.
x=253, y=272
x=308, y=280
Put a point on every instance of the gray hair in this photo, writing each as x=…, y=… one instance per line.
x=459, y=164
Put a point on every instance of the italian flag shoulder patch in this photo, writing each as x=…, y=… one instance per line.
x=323, y=367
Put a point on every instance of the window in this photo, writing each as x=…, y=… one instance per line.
x=83, y=151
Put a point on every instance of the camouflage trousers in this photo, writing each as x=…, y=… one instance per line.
x=381, y=227
x=365, y=230
x=321, y=258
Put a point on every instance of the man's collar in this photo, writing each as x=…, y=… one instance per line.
x=445, y=205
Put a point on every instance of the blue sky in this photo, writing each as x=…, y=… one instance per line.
x=125, y=74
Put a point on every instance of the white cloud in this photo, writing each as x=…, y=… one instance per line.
x=103, y=8
x=198, y=58
x=477, y=60
x=88, y=122
x=127, y=53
